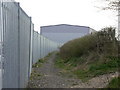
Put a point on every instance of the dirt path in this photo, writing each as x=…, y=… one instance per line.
x=48, y=77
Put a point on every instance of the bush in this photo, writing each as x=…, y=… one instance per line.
x=92, y=55
x=99, y=42
x=78, y=47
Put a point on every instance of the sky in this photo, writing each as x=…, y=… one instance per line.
x=73, y=12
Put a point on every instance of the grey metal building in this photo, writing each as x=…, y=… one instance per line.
x=63, y=33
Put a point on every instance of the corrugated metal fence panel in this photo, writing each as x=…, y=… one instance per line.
x=34, y=47
x=31, y=48
x=1, y=41
x=47, y=48
x=10, y=21
x=42, y=47
x=22, y=46
x=25, y=31
x=0, y=23
x=39, y=46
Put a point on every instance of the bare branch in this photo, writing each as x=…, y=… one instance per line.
x=112, y=5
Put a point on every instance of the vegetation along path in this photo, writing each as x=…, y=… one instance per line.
x=48, y=76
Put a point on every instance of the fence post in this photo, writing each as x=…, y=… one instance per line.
x=18, y=45
x=1, y=47
x=30, y=35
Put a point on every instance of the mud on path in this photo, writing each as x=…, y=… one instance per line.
x=48, y=76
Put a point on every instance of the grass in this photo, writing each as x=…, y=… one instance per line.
x=41, y=61
x=109, y=66
x=115, y=83
x=34, y=75
x=87, y=71
x=91, y=55
x=78, y=47
x=67, y=64
x=65, y=67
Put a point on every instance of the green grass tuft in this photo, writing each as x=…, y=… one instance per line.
x=115, y=83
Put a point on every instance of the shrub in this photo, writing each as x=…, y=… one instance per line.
x=78, y=47
x=99, y=42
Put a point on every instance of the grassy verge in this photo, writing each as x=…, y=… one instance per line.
x=98, y=69
x=86, y=71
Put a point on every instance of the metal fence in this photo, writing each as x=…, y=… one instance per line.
x=1, y=40
x=20, y=46
x=42, y=46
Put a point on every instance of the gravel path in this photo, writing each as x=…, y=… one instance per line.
x=49, y=77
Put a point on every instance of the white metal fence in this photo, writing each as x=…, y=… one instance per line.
x=20, y=46
x=1, y=39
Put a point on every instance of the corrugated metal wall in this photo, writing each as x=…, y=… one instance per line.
x=22, y=46
x=35, y=47
x=10, y=45
x=63, y=37
x=63, y=33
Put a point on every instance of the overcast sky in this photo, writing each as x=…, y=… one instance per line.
x=74, y=12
